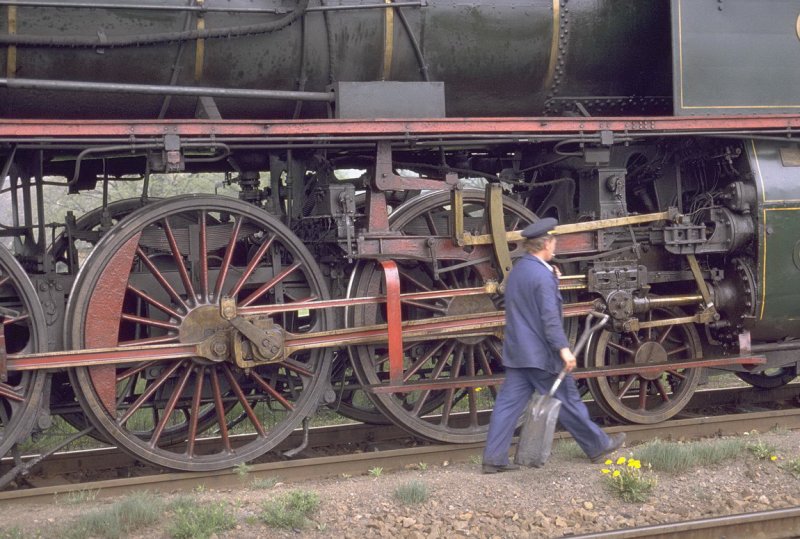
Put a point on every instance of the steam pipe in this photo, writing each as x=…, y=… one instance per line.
x=198, y=91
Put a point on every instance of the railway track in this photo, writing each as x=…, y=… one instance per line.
x=777, y=524
x=391, y=456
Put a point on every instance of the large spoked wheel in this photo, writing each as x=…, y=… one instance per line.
x=770, y=378
x=647, y=398
x=25, y=332
x=157, y=278
x=447, y=415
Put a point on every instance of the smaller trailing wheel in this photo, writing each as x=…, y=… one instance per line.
x=770, y=378
x=160, y=277
x=647, y=398
x=24, y=331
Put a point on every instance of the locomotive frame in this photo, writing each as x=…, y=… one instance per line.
x=383, y=294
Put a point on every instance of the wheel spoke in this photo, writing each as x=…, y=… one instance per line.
x=667, y=331
x=243, y=401
x=678, y=350
x=194, y=413
x=165, y=339
x=251, y=266
x=170, y=407
x=10, y=393
x=220, y=408
x=203, y=256
x=179, y=262
x=271, y=390
x=626, y=386
x=662, y=389
x=617, y=346
x=143, y=398
x=643, y=385
x=269, y=284
x=160, y=277
x=148, y=321
x=154, y=302
x=226, y=260
x=412, y=370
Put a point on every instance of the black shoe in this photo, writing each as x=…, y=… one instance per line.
x=494, y=468
x=616, y=442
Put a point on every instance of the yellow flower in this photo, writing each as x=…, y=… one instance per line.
x=773, y=458
x=631, y=463
x=605, y=470
x=622, y=460
x=615, y=474
x=608, y=462
x=478, y=389
x=637, y=464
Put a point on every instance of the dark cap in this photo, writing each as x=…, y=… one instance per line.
x=539, y=228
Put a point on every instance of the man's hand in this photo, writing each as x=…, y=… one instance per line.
x=568, y=358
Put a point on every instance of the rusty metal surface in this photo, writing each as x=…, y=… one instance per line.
x=400, y=128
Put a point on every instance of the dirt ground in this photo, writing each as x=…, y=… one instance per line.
x=568, y=496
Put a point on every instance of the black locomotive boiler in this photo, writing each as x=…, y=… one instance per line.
x=386, y=156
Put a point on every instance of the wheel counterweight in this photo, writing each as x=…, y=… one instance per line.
x=159, y=277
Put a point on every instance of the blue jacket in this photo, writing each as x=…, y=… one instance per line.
x=534, y=330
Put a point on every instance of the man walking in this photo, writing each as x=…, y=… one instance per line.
x=535, y=349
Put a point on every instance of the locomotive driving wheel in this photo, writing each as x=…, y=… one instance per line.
x=447, y=415
x=160, y=277
x=647, y=398
x=24, y=332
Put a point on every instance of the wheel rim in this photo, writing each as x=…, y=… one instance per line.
x=150, y=294
x=458, y=410
x=25, y=332
x=647, y=399
x=770, y=378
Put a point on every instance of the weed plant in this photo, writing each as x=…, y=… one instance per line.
x=290, y=511
x=793, y=466
x=123, y=518
x=411, y=492
x=762, y=450
x=376, y=472
x=626, y=478
x=672, y=457
x=195, y=520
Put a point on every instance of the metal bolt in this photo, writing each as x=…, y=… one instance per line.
x=220, y=348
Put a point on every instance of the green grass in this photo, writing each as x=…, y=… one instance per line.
x=568, y=449
x=193, y=519
x=77, y=497
x=12, y=533
x=262, y=484
x=793, y=466
x=119, y=520
x=672, y=457
x=412, y=492
x=291, y=510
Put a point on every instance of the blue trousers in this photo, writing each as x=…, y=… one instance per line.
x=514, y=395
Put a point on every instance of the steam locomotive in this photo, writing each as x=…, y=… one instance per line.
x=386, y=155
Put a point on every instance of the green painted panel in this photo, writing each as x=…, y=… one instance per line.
x=740, y=56
x=781, y=254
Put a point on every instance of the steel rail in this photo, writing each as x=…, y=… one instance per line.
x=393, y=459
x=775, y=524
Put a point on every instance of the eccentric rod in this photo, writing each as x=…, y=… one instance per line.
x=198, y=91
